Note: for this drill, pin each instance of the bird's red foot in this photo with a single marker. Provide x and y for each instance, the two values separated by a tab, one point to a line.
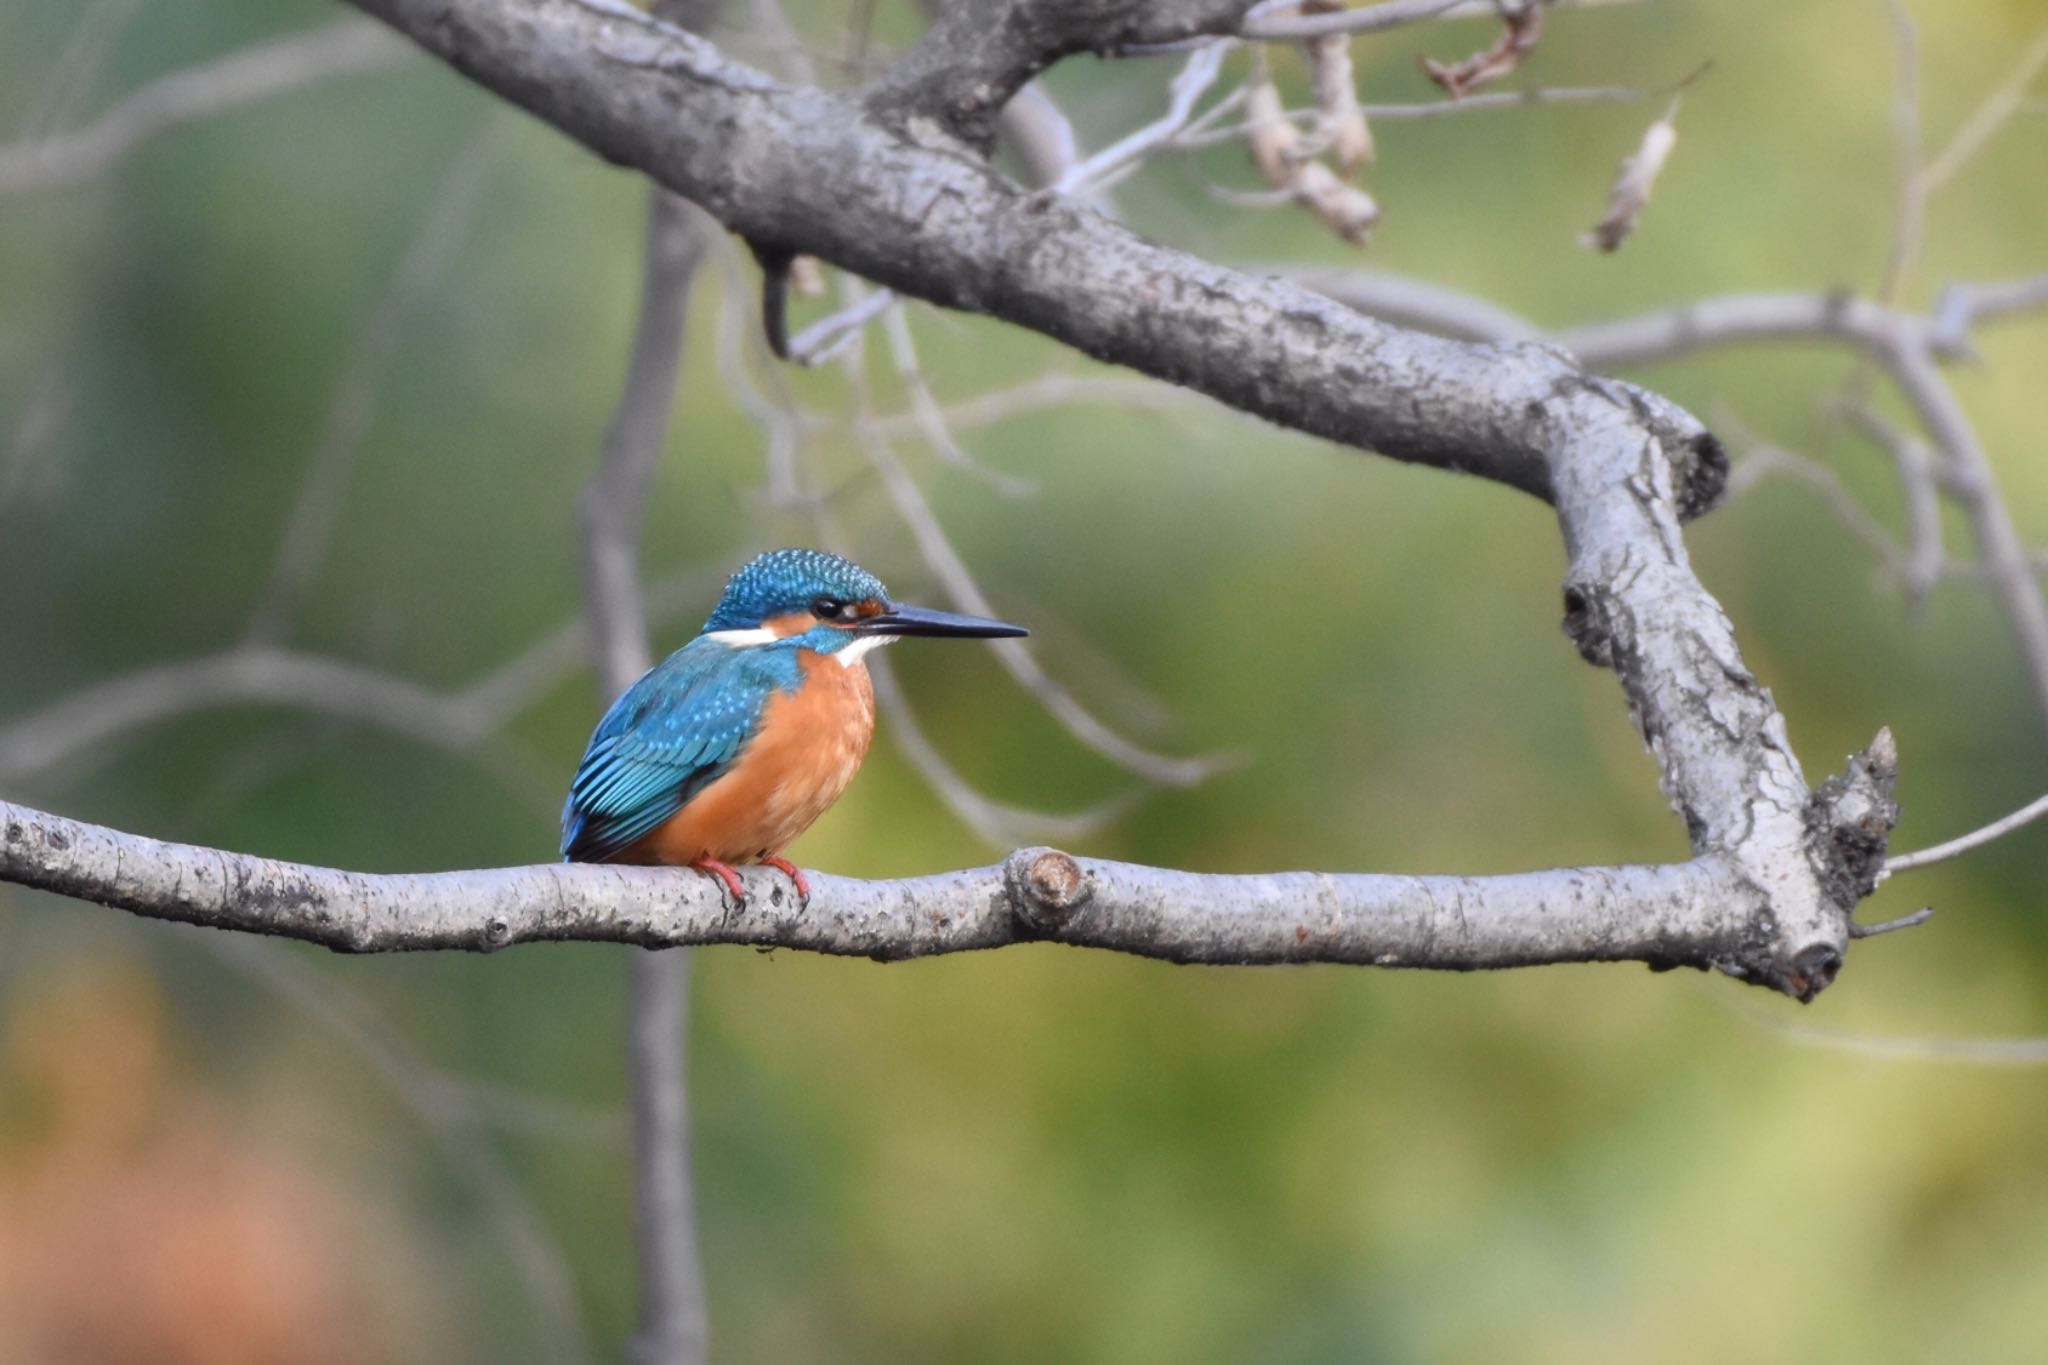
796	874
725	873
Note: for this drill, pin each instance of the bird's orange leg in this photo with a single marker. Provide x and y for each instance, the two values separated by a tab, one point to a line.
725	873
795	873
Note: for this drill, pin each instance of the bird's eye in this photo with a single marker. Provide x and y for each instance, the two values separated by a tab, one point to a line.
827	608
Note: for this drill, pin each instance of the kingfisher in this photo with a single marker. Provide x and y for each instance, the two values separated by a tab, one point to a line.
728	749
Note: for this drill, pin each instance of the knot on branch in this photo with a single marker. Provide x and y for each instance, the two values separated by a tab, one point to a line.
1699	473
1849	820
1586	625
1047	888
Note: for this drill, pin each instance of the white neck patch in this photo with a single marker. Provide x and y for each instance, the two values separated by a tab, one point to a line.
759	635
851	654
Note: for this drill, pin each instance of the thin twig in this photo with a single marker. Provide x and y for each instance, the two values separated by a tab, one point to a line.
931	418
2005	99
79	62
827	339
998	824
1892	926
1017	658
1195	77
1961	844
1909	219
1960	307
672	1328
1914	465
1267	23
352	406
236	81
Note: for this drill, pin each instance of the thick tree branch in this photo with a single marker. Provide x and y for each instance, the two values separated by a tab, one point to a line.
811	171
978	53
1699	913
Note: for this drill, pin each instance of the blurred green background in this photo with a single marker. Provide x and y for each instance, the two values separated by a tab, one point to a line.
1039	1154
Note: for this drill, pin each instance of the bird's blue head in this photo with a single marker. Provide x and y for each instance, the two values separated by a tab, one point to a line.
822	602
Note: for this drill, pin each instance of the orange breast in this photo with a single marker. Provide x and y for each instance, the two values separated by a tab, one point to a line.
810	745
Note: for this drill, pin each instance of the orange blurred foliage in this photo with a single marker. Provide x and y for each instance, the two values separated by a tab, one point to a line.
139	1224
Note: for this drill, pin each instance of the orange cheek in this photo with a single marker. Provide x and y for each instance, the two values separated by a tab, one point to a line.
796	623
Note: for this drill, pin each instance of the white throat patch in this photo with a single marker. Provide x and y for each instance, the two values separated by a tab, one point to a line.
851	655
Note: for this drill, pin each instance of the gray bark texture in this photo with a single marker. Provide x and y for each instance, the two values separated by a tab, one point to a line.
889	182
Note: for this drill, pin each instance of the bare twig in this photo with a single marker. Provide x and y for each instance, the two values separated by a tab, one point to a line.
672	1324
1892	926
1270	23
767	402
1914	465
1195	77
39	742
1052	391
1205	134
1762	459
353	404
930	417
996	823
1017	659
236	81
1960	307
2004	100
827	339
1909	219
1976	838
978	812
464	721
1999	1052
79	62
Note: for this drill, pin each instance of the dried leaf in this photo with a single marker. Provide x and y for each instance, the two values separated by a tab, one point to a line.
1519	34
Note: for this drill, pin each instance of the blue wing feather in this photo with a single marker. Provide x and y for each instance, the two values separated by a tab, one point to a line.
673	733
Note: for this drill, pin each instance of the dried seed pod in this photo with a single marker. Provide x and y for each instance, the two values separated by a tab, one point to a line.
1633	181
1274	142
1345	209
1340	123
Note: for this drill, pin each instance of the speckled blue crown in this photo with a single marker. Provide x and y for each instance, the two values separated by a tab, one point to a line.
783	582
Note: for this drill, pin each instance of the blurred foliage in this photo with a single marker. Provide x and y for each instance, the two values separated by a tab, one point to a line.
1037	1154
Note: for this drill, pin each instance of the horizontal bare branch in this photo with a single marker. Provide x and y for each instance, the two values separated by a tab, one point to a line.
248	673
1691	914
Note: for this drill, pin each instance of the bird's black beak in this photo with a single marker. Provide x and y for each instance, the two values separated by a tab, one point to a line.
923	621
